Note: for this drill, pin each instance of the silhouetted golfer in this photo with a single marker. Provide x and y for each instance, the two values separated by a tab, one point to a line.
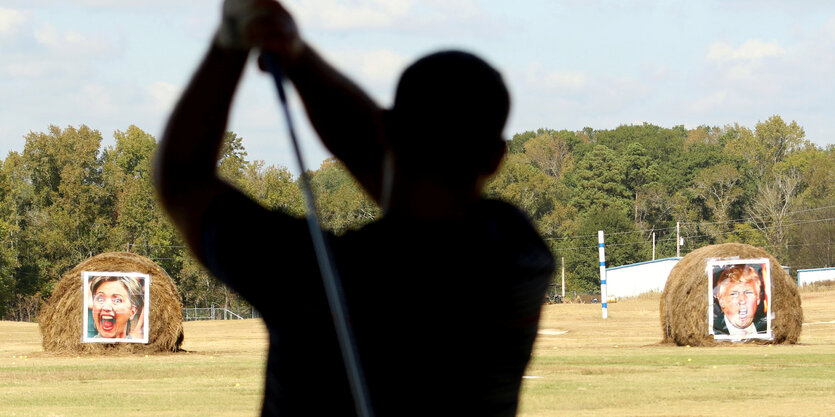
443	291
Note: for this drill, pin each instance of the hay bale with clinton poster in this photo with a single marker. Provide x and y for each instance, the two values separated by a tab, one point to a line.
116	302
115	307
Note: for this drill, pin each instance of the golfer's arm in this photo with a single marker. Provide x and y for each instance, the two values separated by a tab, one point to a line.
349	122
184	171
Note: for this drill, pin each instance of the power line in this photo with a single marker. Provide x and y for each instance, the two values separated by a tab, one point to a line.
155	246
758	229
702	224
754	219
672	240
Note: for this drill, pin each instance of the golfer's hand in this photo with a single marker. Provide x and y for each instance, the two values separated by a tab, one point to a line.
261	24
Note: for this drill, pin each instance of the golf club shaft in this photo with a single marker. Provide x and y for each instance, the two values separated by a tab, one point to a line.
330	278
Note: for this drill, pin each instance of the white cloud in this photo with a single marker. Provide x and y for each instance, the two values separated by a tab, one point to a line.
10	21
73	43
381	65
747	62
96	100
710	102
566	80
112	4
750	50
39	68
466	17
375	70
573	98
464	14
357	14
539	78
163	95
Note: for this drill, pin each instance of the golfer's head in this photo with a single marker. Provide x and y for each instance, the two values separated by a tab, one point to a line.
449	111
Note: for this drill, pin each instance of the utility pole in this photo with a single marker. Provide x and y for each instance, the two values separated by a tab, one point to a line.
563	278
653	246
678	240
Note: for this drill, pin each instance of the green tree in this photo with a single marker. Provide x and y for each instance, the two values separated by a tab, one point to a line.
719	187
273	187
767	145
550	153
624	245
198	288
69	219
817	170
18	284
598	181
140	226
703	135
745	233
812	236
340	201
690	218
640	171
772	209
779	139
537	194
812	239
697	156
653	207
743	144
9	232
232	162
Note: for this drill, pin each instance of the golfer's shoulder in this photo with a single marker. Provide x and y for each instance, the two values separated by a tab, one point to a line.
507	221
514	236
501	211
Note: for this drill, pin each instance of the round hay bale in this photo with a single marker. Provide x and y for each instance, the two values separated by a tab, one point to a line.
684	301
61	317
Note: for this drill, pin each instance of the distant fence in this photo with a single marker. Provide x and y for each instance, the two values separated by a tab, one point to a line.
553	295
213	313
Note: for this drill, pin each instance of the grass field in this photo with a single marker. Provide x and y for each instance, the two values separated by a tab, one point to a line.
582	365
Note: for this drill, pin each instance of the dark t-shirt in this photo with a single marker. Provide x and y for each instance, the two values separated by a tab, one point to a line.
444	312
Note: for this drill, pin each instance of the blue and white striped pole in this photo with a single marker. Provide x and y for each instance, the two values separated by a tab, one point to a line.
602	249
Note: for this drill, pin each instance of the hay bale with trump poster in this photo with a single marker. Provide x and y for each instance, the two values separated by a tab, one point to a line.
730	292
739	294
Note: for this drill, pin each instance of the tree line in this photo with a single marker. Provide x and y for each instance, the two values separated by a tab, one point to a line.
65	198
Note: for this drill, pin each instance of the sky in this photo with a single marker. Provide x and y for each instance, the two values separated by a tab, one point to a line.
569	64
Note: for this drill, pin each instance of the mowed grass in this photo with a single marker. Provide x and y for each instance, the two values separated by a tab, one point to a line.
582	365
616	367
221	374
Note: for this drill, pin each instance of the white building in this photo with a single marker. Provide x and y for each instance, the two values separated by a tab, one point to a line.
808	276
631	280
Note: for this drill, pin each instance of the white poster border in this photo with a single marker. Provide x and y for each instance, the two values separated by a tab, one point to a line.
765	275
87	305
